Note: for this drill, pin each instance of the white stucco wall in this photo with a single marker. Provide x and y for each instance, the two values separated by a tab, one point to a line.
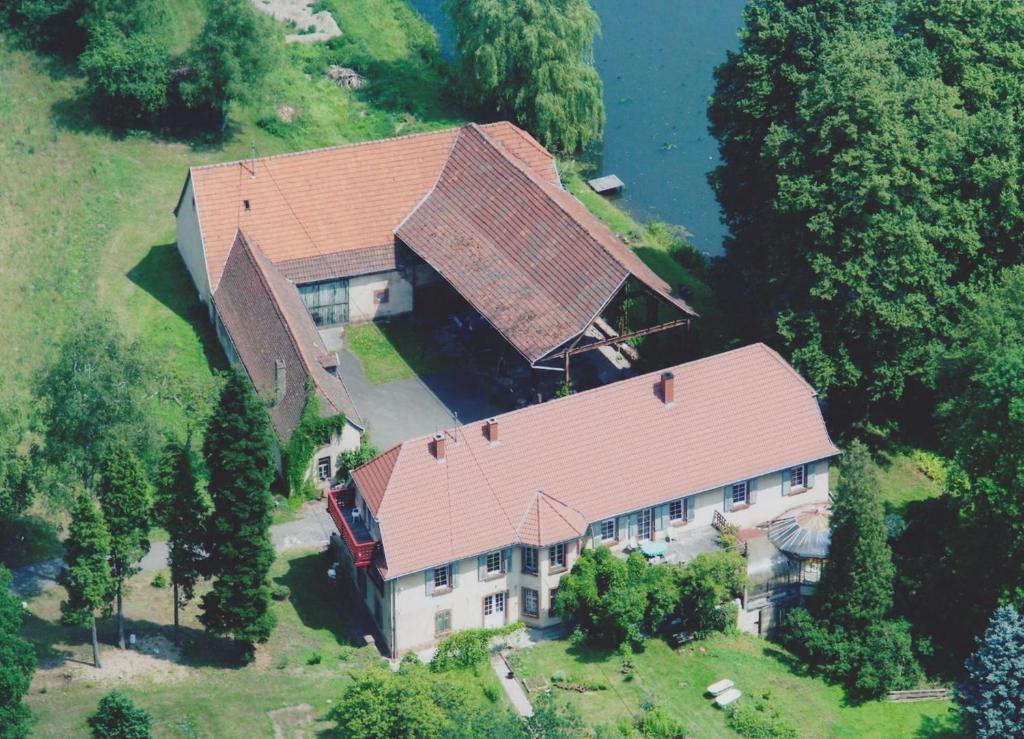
190	243
361	305
347	440
414	607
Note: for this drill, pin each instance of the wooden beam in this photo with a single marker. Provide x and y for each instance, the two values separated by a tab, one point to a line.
621	338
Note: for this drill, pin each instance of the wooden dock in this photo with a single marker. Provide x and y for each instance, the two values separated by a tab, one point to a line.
606	185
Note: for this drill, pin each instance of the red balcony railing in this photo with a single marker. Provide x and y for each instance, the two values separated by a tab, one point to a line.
353	531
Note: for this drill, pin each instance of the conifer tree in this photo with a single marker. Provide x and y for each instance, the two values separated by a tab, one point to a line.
126	500
856	588
992	695
239	457
182	508
17	663
87	576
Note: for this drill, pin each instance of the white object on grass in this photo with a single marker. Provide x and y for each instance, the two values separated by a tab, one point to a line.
716	689
727	697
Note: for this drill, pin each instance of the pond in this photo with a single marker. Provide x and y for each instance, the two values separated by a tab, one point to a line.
656	58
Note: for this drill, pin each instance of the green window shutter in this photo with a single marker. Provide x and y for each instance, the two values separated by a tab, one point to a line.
454	574
661	519
809	476
727	499
429	581
752	491
481	566
786	485
506	560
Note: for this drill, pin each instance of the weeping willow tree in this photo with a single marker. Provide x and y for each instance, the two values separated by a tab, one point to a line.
532	61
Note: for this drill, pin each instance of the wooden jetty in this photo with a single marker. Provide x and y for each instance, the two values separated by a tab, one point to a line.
606	185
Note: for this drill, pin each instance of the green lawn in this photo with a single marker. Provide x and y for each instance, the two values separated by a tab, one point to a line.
677	681
204	693
396	350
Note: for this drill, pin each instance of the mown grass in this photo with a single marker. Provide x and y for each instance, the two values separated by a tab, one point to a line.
207	693
677	681
395	350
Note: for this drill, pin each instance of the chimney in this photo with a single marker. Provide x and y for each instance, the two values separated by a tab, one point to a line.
439	448
668	389
492	431
280	380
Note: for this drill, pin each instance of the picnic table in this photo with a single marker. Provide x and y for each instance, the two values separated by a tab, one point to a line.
654	549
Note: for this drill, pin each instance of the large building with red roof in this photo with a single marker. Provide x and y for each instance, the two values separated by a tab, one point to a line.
475	526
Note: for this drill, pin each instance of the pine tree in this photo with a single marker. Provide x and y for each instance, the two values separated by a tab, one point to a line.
87	576
117	717
17	663
992	695
239	455
856	588
126	500
182	508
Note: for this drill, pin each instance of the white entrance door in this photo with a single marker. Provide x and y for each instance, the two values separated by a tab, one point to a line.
494	610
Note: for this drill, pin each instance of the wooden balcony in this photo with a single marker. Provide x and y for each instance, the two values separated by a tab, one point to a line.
353	530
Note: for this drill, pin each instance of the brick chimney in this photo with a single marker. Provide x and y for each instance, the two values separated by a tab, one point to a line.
668	389
439	448
492	431
280	380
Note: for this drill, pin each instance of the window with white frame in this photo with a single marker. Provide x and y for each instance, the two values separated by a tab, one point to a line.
530	560
676	511
323	468
645	524
492	564
442	577
798	476
556	556
552	599
739	493
531	602
608	530
442	622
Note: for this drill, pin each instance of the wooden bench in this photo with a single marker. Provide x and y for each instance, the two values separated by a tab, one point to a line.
729	696
716	689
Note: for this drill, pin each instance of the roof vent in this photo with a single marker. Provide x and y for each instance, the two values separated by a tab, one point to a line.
439	448
668	389
492	431
247	205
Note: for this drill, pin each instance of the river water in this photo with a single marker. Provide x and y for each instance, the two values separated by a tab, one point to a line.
656	58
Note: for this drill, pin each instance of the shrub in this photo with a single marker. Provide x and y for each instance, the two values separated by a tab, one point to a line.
657	723
492	692
128	73
757	719
346	653
159	580
117	717
468	648
350	459
280	592
932	466
314	659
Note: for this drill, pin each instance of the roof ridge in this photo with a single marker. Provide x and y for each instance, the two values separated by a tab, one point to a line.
559	513
529	507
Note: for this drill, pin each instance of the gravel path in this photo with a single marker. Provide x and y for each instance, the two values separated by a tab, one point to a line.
301	13
311	529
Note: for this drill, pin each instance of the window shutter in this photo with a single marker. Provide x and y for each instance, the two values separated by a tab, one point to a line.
453	573
786	483
727	499
809	475
662	516
595	534
429	581
689	505
506	560
481	566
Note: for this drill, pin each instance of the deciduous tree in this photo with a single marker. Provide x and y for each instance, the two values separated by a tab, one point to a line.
239	457
532	61
127	74
126	501
86	576
117	717
182	508
17	663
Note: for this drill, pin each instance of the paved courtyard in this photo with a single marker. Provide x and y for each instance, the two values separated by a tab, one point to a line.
405	409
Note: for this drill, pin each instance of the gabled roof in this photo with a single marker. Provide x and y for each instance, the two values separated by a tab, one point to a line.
322	202
523	252
267	322
600	453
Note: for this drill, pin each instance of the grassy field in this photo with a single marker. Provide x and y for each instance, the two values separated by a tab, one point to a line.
202	691
677	681
395	350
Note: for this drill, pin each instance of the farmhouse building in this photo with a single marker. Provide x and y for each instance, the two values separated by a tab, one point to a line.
475	526
280	247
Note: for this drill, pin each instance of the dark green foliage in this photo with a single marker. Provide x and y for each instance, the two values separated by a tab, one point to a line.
991	697
549	721
856	585
127	74
312	432
91	396
235	50
657	723
17	663
349	460
758	719
870	181
615	602
532	61
17	486
182	507
239	457
468	647
117	717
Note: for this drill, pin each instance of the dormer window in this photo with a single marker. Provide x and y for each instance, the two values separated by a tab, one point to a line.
247	205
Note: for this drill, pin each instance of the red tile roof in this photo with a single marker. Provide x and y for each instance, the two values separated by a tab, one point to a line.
599	453
318	203
537	270
267	322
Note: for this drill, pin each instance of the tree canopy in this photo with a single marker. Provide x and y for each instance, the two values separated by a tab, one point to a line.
117	717
532	61
17	663
991	696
